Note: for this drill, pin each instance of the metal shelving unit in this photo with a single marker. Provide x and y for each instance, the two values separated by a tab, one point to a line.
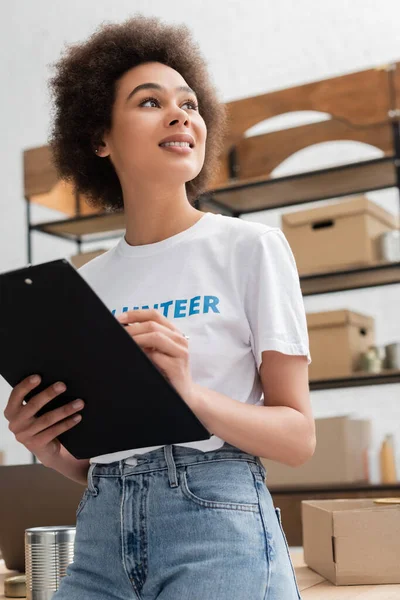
266	193
357	379
238	196
225	200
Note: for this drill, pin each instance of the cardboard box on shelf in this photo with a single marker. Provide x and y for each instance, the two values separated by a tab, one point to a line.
338	236
339	457
352	542
63	199
78	260
42	184
337	339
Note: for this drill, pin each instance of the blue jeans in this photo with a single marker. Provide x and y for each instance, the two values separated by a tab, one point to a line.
181	524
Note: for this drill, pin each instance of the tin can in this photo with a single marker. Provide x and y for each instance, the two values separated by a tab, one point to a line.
371	361
15	586
48	552
392	360
390	245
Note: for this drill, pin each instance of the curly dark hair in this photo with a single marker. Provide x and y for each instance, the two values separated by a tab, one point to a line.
83	94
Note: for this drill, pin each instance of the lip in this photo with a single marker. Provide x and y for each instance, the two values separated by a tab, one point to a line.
179	137
184	150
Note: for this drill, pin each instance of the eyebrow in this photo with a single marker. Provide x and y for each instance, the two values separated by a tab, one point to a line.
156	86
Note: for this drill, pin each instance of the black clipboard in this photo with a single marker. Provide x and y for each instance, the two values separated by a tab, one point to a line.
53	323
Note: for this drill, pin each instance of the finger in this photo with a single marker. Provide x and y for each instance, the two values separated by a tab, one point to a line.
41	399
42	439
54	416
159	341
26	414
18	394
149	314
152	327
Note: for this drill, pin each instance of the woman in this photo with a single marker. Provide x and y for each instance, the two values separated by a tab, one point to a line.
214	302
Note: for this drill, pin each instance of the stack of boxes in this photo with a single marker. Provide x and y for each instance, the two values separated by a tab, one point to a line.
332	238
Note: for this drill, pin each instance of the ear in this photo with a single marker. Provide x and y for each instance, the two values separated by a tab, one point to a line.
99	146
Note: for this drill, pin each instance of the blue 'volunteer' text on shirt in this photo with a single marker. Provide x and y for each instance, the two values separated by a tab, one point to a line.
178	309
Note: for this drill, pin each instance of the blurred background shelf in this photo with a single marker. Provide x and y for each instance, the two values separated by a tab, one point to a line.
86	228
358	486
265	193
357	379
384	273
246	196
289	500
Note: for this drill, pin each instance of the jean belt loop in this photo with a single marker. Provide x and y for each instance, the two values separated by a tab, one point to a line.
91	487
169	458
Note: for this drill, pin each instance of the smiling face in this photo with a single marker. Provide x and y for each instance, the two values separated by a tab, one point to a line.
153	107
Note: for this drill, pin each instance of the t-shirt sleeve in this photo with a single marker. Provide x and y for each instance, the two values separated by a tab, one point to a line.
273	299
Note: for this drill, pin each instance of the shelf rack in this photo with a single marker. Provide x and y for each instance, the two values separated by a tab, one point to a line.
364	107
357	379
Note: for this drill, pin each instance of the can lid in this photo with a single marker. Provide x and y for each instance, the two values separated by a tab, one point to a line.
15	586
50	534
50	528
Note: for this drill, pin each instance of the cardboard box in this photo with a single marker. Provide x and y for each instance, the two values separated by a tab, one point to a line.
62	198
42	184
337	339
339	457
337	236
78	260
352	542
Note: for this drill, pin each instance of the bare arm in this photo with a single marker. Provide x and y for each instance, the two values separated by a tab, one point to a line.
71	467
282	430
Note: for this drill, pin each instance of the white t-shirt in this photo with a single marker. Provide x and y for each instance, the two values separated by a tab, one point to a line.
231	285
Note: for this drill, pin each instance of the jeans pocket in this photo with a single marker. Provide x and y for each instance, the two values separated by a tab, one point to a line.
226	484
278	514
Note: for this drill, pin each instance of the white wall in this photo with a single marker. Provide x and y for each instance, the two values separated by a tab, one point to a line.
252	48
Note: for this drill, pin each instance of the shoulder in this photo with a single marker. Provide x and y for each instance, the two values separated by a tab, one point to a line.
96	267
248	240
241	232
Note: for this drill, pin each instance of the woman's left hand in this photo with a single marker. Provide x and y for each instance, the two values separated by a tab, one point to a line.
164	344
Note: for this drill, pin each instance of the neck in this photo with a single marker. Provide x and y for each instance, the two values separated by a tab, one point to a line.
151	217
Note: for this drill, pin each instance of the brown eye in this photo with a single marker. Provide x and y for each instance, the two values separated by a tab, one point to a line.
147	100
192	103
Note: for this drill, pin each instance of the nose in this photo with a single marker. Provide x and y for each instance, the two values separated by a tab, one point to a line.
180	116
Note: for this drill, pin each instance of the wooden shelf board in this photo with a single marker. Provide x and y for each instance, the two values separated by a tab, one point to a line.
253	195
383	273
358	486
357	379
240	197
84	226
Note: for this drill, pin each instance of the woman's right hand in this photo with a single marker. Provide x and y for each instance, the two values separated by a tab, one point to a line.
38	434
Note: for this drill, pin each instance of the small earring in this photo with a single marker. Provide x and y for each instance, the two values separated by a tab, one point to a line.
96	150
